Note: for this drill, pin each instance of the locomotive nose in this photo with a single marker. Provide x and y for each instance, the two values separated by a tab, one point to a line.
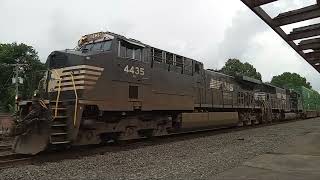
58	59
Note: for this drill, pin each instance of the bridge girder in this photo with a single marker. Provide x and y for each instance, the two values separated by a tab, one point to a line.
311	44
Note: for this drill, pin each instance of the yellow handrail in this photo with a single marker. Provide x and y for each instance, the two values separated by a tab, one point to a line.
76	103
58	95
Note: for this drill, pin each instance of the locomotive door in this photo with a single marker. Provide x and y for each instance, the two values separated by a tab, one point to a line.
199	94
227	94
200	89
216	91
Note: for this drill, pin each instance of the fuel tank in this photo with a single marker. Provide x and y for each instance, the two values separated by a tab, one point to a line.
209	119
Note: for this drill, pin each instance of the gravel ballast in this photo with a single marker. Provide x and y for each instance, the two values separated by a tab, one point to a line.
200	157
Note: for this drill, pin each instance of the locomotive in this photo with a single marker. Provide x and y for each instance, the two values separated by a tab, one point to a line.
115	88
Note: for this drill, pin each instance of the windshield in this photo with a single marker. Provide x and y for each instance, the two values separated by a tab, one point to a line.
99	46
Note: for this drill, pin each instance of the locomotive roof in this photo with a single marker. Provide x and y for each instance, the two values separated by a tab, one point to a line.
250	79
130	40
100	36
133	41
211	71
271	85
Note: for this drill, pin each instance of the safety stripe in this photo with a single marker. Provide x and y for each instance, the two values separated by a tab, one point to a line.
82	67
79	72
77	87
82	82
84	76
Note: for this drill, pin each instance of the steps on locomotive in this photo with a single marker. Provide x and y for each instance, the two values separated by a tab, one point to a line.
59	127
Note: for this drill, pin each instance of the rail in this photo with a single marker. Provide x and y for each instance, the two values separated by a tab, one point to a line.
14	160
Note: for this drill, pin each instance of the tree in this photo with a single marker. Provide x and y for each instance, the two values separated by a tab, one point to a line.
235	67
290	80
11	54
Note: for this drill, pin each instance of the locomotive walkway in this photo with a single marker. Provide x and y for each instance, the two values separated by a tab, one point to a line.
296	161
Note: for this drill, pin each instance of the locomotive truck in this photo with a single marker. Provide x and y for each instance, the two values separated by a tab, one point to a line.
112	88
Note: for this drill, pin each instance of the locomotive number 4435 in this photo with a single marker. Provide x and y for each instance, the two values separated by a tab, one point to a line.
134	70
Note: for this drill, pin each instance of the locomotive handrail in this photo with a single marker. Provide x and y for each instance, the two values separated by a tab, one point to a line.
58	95
76	103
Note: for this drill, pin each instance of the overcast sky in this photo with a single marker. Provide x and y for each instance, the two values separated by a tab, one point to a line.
207	30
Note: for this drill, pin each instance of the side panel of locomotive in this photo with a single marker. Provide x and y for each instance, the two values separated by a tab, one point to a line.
148	84
142	83
172	86
221	91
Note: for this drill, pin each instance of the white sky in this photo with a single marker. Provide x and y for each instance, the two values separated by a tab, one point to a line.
208	30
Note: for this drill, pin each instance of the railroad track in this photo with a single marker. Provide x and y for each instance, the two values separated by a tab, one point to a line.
5	148
14	160
92	150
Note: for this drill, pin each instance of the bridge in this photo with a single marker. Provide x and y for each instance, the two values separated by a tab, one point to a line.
304	40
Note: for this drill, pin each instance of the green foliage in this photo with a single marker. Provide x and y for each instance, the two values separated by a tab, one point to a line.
23	54
290	80
235	67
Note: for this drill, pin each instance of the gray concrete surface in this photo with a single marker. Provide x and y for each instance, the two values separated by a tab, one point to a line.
299	160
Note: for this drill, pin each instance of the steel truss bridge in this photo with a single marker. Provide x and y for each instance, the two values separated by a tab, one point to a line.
309	46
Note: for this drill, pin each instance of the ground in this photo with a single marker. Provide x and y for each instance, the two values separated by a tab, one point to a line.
193	157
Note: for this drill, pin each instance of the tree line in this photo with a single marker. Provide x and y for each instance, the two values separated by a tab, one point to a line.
33	70
234	67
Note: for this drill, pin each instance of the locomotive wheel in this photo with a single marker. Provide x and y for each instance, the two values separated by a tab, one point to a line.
148	133
61	147
247	123
255	122
240	124
109	138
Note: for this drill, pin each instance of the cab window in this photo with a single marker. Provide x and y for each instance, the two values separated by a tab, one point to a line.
96	47
88	47
138	54
127	50
99	46
106	46
129	53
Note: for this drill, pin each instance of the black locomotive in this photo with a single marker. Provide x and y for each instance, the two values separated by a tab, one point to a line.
114	88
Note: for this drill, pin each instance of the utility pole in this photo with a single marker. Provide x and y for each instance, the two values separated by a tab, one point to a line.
17	68
16	79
